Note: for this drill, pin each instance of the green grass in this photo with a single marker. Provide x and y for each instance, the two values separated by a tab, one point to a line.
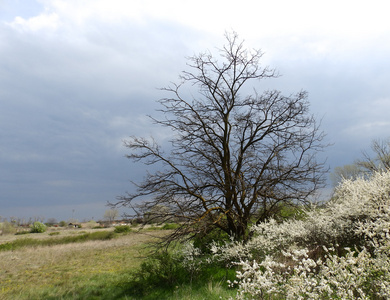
30	242
211	290
54	233
122	229
170	226
163	276
62	267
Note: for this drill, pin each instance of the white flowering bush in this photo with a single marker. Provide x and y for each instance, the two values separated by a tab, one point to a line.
38	227
191	258
355	275
339	251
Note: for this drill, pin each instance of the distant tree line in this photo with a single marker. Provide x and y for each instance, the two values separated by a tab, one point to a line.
370	163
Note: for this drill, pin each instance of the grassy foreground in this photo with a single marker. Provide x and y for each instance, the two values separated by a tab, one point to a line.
89	269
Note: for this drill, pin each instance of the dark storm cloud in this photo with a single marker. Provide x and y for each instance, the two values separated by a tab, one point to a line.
78	77
347	90
66	106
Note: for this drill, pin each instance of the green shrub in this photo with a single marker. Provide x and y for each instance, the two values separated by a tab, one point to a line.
206	240
158	271
38	227
164	272
152	228
170	226
62	224
98	227
122	229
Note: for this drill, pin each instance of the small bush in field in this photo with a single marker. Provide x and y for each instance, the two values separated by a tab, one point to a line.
98	227
205	242
164	271
38	227
170	226
122	229
91	224
7	228
54	233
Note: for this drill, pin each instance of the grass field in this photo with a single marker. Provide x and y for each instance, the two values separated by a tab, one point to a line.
87	270
98	269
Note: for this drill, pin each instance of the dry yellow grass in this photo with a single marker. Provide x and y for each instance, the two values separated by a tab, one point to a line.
66	266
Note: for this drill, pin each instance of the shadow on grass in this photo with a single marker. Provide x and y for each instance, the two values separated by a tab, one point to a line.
163	276
128	286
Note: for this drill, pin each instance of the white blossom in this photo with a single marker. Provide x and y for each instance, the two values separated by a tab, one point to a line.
300	259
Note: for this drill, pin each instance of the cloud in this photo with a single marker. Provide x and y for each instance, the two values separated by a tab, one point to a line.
369	129
44	21
80	76
65	101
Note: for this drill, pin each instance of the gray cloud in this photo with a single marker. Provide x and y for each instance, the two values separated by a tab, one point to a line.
79	79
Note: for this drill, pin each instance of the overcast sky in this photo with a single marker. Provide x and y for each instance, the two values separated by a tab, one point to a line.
78	77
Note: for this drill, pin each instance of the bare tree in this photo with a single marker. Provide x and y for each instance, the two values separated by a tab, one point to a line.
345	172
369	164
51	221
235	156
381	159
157	214
111	214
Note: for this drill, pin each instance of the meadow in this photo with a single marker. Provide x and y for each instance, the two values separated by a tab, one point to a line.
80	270
98	266
339	250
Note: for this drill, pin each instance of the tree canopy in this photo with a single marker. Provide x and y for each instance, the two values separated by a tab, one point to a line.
236	154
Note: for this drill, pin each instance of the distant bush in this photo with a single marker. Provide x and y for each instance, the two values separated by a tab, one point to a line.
98	227
137	221
62	224
7	228
51	222
122	229
170	226
38	227
91	224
